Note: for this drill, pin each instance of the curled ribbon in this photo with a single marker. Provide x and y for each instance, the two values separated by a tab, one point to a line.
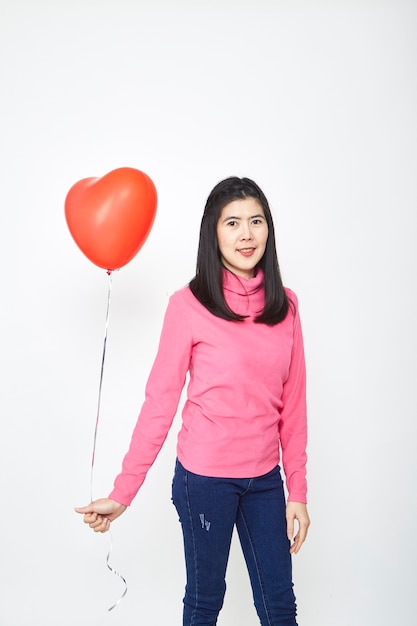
113	571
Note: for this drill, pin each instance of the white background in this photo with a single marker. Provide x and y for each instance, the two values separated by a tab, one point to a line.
317	102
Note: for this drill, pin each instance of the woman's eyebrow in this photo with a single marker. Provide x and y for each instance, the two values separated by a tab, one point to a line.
235	217
231	217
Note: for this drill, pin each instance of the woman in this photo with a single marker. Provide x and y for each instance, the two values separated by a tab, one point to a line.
236	330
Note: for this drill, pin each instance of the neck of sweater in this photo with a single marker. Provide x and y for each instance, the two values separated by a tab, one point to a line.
245	296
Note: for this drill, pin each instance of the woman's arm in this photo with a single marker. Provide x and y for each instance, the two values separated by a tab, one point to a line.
293	418
162	395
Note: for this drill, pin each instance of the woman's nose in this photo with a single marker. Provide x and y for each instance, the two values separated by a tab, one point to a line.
246	232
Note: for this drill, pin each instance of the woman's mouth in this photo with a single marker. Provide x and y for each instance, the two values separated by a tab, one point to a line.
246	251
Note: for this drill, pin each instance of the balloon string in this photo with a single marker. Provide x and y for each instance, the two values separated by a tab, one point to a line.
106	326
113	571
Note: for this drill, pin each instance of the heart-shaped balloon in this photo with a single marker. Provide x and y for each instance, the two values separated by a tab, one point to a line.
111	217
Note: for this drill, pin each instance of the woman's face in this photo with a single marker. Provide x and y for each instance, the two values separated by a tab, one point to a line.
242	233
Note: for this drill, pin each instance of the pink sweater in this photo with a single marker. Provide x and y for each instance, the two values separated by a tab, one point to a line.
245	397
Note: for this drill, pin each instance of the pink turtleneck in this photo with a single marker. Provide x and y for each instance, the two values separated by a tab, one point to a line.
245	410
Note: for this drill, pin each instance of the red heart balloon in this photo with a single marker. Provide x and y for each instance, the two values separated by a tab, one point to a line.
111	217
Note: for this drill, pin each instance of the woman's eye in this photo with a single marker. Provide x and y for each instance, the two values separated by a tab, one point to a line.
231	223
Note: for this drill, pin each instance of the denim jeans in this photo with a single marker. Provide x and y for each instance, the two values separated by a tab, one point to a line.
208	509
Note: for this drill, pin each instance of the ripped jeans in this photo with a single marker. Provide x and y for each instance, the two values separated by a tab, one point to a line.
208	509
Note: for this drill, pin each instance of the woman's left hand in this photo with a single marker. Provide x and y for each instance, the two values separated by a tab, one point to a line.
297	511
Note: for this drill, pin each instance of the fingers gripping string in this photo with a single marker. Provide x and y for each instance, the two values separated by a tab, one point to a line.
113	571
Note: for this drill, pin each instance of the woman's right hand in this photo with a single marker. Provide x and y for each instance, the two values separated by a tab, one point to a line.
100	513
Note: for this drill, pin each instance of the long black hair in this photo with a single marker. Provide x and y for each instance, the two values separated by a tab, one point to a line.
207	284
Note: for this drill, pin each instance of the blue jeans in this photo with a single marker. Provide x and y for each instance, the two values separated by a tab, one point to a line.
208	509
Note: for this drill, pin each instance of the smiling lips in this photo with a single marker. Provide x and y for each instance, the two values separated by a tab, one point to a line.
246	251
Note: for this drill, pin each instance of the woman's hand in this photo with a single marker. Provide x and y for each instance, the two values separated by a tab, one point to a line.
100	513
297	511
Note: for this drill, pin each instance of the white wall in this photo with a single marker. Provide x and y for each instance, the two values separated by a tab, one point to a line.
317	102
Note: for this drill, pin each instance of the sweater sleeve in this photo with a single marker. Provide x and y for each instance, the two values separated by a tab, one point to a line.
293	420
162	395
